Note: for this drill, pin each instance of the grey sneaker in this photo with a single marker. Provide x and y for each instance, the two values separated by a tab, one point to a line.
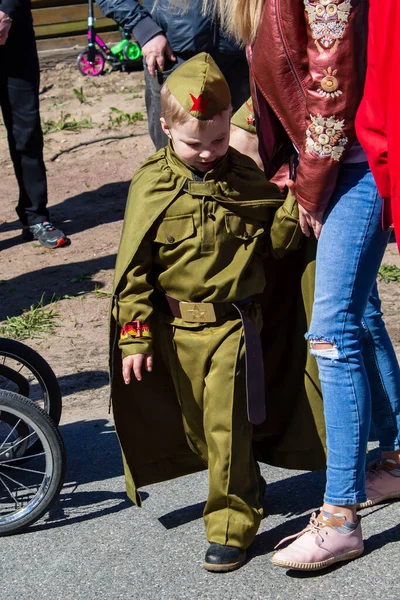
48	235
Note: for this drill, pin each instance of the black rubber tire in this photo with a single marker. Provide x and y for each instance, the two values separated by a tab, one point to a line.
23	408
40	369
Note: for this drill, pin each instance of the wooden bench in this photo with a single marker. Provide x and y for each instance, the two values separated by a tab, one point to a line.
62	24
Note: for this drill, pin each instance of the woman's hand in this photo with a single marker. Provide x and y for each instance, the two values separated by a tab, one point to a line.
5	24
311	221
155	51
308	220
134	362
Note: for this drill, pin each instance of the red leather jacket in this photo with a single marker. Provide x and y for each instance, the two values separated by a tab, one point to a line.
308	65
378	123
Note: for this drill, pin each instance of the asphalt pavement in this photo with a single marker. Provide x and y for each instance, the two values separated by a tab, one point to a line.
95	545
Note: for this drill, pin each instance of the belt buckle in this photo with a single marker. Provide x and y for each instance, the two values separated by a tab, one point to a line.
197	312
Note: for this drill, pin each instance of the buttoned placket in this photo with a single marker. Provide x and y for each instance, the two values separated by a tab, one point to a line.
203	192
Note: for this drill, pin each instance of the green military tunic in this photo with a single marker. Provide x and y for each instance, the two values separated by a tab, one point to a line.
206	246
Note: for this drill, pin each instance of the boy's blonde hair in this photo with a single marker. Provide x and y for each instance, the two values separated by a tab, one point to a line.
174	114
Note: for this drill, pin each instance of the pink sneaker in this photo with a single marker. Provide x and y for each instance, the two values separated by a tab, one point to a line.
382	482
320	544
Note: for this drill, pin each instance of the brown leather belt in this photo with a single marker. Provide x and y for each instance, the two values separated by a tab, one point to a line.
210	312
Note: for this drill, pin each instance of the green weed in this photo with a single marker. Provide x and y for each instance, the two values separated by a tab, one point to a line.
33	323
134	97
84	277
118	117
101	293
388	273
66	123
79	95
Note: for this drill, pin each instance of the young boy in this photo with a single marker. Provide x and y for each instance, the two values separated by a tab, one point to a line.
199	220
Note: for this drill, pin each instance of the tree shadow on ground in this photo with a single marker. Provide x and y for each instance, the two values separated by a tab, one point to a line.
78	213
287	497
84	211
50	283
93	456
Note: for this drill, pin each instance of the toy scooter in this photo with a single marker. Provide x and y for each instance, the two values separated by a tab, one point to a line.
122	55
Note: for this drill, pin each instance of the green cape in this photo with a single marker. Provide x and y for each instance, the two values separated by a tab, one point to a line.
147	415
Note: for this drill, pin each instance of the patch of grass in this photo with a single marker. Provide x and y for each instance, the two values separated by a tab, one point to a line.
388	273
34	323
118	117
66	123
101	293
83	277
73	296
79	95
134	97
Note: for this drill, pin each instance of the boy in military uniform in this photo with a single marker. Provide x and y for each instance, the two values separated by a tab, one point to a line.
199	220
244	134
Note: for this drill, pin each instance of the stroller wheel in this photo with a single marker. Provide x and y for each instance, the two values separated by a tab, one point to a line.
29	482
92	69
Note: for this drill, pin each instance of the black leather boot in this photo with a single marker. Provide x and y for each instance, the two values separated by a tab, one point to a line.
221	558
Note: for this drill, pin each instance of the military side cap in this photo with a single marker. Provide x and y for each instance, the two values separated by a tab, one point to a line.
244	117
199	87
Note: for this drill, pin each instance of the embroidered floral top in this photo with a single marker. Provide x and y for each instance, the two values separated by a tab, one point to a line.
308	64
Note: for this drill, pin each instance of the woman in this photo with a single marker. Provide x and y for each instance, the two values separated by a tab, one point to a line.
308	63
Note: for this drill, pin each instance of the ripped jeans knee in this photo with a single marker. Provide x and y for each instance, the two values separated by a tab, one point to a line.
322	347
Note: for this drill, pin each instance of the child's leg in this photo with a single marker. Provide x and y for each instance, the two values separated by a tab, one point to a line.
233	511
207	366
185	352
209	375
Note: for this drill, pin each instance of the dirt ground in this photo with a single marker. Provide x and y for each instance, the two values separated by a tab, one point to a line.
87	194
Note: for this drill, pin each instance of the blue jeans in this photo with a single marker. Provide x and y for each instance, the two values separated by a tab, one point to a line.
360	373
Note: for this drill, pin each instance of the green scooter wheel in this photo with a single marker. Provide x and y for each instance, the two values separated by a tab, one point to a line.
132	51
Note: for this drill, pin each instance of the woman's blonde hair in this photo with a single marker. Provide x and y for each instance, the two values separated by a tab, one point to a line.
239	18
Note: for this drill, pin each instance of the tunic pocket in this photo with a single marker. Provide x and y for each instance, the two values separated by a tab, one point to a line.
244	229
175	229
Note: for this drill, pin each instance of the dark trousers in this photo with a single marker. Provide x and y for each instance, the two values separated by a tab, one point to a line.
19	101
233	66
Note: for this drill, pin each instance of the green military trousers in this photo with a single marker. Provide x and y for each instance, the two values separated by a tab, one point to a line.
207	365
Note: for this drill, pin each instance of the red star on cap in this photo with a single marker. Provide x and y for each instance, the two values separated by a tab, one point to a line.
200	104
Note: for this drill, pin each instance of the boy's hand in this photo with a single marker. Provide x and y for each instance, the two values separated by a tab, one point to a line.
134	362
291	187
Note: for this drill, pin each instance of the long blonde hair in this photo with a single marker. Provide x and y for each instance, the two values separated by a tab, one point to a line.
240	18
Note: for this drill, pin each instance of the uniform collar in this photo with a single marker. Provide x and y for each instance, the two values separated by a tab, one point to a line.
181	168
